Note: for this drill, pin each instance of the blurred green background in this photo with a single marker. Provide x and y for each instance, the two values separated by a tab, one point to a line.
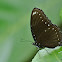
15	33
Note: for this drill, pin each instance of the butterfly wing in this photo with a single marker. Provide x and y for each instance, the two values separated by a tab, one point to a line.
44	32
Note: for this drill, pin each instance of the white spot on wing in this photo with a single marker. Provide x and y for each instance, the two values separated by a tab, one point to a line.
42	20
45	22
39	43
55	30
35	38
48	28
45	30
33	35
40	17
57	35
52	28
39	14
59	43
34	13
36	43
48	25
58	38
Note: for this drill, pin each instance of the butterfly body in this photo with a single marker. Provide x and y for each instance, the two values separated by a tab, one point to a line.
43	31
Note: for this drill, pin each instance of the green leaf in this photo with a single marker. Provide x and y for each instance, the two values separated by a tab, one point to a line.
49	55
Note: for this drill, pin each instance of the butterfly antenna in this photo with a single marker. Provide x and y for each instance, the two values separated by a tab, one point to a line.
22	40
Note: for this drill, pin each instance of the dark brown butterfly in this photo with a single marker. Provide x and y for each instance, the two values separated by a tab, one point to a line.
43	31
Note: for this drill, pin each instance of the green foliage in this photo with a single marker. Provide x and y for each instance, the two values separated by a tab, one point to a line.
49	55
15	33
61	14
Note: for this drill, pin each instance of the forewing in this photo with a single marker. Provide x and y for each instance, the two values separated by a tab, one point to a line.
44	32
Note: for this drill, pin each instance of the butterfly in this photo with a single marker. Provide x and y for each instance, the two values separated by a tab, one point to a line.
45	34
